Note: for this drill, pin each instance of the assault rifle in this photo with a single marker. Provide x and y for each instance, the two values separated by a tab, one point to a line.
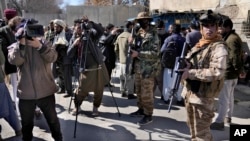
179	64
129	60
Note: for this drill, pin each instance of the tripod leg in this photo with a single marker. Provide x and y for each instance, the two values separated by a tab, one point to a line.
77	110
71	98
114	100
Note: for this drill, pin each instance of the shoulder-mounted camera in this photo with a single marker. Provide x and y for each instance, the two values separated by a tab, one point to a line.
31	29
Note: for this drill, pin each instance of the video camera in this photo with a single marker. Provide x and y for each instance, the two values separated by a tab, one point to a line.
31	29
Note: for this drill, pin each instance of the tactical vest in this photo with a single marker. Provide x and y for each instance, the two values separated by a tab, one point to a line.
200	61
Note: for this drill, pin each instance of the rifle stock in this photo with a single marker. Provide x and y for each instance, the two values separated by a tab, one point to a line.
179	64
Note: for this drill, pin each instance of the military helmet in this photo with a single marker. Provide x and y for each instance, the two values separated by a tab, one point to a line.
143	15
209	17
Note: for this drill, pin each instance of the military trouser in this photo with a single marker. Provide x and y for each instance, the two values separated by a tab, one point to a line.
199	118
82	94
145	94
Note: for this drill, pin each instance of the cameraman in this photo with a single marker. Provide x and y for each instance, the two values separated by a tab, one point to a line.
93	73
36	86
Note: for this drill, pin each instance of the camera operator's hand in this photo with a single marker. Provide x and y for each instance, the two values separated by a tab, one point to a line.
35	43
114	31
77	41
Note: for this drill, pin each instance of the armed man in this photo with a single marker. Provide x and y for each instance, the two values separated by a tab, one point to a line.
204	77
146	55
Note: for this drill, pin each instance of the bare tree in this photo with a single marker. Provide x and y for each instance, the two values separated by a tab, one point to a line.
37	6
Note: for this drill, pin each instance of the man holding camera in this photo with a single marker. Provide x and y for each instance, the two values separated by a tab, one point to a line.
204	77
36	86
93	74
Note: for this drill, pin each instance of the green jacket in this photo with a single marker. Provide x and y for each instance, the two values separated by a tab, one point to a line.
235	62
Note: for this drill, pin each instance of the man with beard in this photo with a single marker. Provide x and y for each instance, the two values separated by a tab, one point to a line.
62	67
146	54
203	77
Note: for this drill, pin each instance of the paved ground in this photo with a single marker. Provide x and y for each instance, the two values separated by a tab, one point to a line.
110	127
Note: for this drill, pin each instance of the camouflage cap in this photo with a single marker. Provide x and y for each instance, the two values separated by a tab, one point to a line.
143	15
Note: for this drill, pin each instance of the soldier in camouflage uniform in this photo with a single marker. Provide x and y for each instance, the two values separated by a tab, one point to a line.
204	77
147	66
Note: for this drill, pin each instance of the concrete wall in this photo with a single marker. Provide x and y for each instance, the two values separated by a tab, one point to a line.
103	14
116	15
182	5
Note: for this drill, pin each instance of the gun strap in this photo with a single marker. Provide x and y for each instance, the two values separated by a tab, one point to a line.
198	51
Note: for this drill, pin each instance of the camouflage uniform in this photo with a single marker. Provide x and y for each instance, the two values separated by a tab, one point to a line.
204	77
147	66
204	84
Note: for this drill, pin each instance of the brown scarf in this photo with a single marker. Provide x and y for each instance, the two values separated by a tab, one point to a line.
204	41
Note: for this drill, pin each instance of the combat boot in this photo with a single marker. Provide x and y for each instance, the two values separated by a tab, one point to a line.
138	113
146	120
217	126
95	111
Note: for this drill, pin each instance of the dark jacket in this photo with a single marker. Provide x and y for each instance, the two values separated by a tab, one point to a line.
174	37
7	38
235	62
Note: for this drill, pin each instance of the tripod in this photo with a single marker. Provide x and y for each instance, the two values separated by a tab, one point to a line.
93	50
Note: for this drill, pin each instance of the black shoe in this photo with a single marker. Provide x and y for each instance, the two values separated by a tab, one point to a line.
217	126
60	91
18	133
166	101
180	103
228	120
124	94
138	113
162	98
131	96
109	85
68	95
145	120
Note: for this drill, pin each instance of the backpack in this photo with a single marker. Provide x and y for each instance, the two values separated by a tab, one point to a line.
169	55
